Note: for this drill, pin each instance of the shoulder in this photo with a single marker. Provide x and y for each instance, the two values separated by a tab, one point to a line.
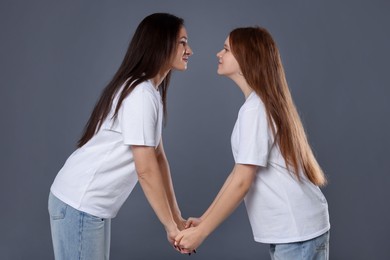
253	105
144	87
143	91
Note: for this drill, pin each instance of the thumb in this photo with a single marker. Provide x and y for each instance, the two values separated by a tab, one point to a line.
189	222
178	238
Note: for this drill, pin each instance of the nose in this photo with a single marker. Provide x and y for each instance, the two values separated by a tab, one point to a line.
189	50
219	54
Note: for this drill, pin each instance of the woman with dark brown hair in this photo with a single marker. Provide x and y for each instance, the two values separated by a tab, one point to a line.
122	144
275	170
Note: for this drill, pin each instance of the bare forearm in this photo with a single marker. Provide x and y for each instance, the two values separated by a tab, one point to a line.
152	183
167	180
153	187
207	212
229	198
168	184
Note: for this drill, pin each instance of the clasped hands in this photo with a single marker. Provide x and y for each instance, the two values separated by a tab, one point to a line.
190	236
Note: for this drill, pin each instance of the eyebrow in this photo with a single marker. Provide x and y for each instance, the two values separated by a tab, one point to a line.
183	38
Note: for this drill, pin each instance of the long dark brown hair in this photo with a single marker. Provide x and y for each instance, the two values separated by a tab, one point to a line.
259	60
150	51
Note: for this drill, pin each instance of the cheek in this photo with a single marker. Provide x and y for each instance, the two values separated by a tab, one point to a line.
179	55
234	64
230	66
180	51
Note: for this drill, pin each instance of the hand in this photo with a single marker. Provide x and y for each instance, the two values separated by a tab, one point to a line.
181	223
171	235
190	239
192	222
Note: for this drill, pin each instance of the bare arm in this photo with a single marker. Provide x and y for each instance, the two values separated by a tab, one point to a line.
168	184
221	191
152	182
230	196
192	221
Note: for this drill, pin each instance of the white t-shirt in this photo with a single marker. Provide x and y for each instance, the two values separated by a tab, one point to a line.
281	209
98	177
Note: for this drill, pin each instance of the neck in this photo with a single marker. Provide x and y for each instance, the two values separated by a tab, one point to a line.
159	78
242	84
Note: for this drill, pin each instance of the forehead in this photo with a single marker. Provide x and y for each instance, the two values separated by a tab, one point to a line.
182	32
227	41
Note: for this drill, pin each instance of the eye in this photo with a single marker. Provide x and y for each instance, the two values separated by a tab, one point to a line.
184	43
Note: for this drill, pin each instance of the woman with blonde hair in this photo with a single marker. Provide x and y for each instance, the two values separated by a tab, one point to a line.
275	170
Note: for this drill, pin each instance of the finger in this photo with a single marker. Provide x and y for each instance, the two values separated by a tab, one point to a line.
177	248
188	224
178	239
185	251
180	249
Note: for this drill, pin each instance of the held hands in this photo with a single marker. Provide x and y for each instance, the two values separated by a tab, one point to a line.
189	239
174	230
181	223
171	235
192	222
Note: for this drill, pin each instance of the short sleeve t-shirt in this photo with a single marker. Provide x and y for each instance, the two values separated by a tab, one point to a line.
98	177
281	209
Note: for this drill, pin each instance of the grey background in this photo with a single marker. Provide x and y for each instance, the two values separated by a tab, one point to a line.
56	56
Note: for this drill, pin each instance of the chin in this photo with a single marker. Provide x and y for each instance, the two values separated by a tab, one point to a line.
181	68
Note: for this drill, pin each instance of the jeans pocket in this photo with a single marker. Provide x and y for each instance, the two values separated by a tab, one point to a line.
57	208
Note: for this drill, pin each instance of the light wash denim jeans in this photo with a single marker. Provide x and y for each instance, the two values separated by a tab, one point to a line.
77	235
313	249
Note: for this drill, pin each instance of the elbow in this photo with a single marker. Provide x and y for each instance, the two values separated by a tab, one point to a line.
143	173
243	185
244	176
243	180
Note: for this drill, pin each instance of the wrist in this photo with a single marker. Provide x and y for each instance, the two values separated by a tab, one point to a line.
178	218
204	229
176	214
171	227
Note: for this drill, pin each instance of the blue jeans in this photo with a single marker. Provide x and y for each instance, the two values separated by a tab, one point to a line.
313	249
76	234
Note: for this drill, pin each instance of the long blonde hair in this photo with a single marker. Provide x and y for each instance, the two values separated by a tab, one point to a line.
259	59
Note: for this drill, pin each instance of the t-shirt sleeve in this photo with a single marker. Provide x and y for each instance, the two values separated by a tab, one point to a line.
254	144
138	118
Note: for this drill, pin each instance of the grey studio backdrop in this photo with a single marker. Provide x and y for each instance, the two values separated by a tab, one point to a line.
56	57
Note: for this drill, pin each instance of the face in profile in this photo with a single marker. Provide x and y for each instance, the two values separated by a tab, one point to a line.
227	63
183	51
